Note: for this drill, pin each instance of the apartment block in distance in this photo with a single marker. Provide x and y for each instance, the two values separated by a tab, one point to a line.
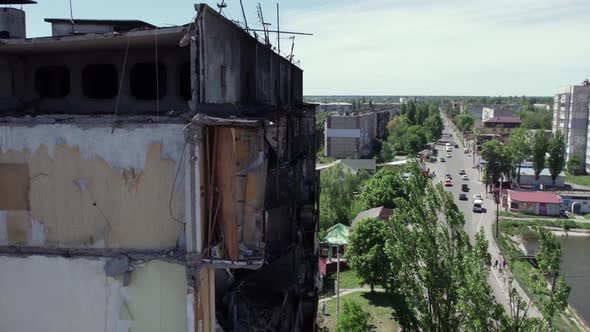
570	115
352	136
154	179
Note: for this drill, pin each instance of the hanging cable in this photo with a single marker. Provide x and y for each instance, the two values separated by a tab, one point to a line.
120	86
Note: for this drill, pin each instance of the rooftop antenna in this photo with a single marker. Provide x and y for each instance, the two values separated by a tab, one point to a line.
278	32
221	5
292	46
264	25
244	14
72	18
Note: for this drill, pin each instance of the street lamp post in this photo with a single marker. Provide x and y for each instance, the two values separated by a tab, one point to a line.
498	206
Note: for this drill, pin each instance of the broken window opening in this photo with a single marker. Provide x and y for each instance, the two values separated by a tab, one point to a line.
52	81
100	81
143	82
235	177
184	81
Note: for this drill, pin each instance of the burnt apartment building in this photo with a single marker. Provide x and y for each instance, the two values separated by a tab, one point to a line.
154	179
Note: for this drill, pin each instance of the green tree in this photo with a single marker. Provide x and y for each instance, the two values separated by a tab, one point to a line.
465	122
519	148
573	164
337	196
365	252
354	319
413	139
539	149
549	256
434	126
428	245
382	189
556	150
498	160
320	121
411	112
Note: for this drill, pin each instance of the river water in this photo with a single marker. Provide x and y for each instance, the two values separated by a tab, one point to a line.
575	268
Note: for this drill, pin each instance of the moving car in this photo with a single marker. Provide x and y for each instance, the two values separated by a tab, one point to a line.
448	182
464	177
461	171
457	146
477	197
465	187
442	159
449	155
478	205
448	176
462	197
466	151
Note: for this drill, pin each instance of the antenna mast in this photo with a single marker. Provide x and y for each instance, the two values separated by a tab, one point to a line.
264	25
221	5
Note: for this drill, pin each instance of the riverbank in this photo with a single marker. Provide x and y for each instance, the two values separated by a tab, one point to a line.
513	242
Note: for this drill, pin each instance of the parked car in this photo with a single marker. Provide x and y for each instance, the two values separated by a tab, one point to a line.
462	197
466	151
442	159
461	171
477	197
464	177
448	176
449	155
465	187
448	182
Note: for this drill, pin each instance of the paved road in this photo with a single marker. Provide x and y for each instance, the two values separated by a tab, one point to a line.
473	221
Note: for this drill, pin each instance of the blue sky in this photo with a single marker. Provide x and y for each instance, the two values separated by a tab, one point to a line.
398	47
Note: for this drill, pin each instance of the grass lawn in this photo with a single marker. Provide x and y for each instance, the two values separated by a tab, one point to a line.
521	270
377	304
583	180
587	216
348	279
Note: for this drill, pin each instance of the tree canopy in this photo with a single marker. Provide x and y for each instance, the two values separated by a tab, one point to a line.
556	159
366	251
382	189
354	319
519	147
337	200
539	149
498	159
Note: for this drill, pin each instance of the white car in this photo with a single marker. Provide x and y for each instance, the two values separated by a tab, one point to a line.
449	155
464	177
477	197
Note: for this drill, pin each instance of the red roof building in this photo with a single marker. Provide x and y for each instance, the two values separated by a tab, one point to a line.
534	202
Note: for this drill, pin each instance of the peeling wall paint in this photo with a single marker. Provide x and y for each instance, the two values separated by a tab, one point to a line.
54	294
125	148
77	196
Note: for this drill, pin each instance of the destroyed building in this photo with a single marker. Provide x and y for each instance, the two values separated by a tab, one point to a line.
154	179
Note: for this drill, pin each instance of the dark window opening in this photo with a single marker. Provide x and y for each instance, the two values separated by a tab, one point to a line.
144	85
4	34
52	81
100	81
184	76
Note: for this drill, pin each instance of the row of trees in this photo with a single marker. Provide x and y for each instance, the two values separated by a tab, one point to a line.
505	160
422	257
409	132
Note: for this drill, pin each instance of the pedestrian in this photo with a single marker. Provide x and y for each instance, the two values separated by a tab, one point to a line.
504	263
323	308
496	263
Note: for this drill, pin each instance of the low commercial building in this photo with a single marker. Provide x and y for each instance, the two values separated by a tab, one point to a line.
497	127
528	178
495	111
577	202
534	202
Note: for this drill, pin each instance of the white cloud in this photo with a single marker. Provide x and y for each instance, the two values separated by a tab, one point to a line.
440	47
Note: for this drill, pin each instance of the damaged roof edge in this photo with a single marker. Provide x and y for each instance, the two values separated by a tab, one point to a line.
202	8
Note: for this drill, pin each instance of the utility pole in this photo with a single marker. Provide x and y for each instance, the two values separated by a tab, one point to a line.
337	284
498	206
